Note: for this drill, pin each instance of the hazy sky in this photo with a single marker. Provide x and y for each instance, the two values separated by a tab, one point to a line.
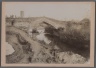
60	11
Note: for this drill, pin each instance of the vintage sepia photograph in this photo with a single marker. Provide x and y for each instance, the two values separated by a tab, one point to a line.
48	34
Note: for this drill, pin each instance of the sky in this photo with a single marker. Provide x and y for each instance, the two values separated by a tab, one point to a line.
60	11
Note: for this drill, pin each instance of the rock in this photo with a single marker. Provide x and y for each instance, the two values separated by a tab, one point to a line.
9	49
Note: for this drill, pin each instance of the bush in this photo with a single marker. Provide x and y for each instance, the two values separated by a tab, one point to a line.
72	40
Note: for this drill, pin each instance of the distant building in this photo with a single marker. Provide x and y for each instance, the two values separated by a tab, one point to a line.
22	14
11	16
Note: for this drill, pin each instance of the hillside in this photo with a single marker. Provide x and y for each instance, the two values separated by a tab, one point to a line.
48	40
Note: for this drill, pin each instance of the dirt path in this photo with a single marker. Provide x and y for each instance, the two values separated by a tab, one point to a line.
35	46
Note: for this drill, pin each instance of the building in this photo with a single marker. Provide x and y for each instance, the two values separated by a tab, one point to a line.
21	14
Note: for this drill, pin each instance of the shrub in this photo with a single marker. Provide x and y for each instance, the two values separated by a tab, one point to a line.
72	40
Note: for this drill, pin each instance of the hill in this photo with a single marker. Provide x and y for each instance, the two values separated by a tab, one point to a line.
68	39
